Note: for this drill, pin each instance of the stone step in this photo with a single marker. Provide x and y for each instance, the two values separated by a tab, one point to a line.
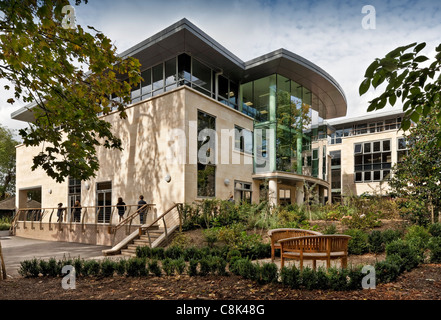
127	253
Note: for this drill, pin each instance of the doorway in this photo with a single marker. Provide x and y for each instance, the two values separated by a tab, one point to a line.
104	201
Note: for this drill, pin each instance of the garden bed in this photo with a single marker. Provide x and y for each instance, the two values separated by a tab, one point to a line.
422	283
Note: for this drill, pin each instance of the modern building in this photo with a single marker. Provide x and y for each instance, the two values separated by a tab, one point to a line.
205	124
363	151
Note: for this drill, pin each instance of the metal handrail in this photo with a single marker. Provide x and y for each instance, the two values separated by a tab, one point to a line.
146	227
130	217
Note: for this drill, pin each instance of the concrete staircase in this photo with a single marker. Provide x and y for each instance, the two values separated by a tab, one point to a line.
143	240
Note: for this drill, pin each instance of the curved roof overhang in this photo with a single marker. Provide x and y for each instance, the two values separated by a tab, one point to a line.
185	37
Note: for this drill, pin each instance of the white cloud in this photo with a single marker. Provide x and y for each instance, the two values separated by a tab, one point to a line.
328	33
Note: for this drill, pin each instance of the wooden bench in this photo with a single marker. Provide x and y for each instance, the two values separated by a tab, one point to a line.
284	233
322	247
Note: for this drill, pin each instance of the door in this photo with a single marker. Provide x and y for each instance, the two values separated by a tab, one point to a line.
104	201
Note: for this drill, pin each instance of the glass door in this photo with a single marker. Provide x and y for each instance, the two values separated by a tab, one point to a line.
104	201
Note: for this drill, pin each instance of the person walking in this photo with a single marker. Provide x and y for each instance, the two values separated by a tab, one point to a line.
141	202
77	211
60	212
121	206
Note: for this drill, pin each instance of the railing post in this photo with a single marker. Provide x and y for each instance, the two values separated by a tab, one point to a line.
3	267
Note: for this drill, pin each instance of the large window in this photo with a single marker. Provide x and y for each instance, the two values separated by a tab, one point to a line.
206	174
402	149
335	170
242	191
372	160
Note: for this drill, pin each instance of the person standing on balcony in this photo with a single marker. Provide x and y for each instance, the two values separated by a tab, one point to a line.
141	202
77	211
60	212
121	206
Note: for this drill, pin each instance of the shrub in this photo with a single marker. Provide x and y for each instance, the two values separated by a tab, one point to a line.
211	236
120	267
192	267
54	269
44	267
386	271
266	273
136	267
78	264
405	251
191	253
355	278
173	252
290	276
330	229
434	246
168	266
179	265
435	229
219	266
358	244
205	266
390	235
108	268
29	268
418	236
157	253
143	252
338	279
308	278
246	269
376	242
154	268
91	267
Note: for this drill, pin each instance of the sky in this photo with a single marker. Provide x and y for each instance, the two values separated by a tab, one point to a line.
335	34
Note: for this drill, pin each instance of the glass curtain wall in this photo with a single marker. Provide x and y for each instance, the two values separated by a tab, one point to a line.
281	109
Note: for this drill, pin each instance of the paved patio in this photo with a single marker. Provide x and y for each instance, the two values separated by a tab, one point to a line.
16	249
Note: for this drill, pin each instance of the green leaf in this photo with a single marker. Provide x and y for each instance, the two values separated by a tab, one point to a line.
392	100
405	124
364	86
415	116
419	47
420	59
370	70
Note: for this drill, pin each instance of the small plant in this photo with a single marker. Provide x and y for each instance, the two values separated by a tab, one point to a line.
29	268
358	244
154	268
120	267
290	277
338	279
173	252
44	268
387	271
91	267
266	273
330	229
78	265
158	253
376	242
136	267
434	246
143	252
418	236
53	268
435	229
308	278
179	265
211	236
191	253
168	266
406	251
108	268
192	268
390	235
205	266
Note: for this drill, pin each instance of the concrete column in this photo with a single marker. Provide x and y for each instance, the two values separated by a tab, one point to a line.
321	191
273	192
300	195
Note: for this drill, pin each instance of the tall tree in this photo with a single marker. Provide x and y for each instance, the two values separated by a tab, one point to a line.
7	163
70	75
411	77
418	176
